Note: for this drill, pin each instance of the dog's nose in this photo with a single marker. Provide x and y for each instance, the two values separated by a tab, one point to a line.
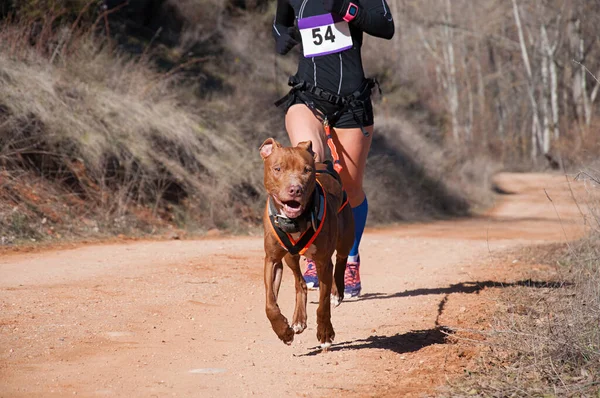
295	190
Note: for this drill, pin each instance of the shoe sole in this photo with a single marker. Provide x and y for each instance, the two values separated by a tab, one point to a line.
354	294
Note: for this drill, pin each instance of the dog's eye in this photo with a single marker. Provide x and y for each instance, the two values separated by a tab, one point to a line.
308	169
277	168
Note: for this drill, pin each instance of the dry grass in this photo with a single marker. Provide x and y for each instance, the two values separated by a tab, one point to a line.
546	342
106	128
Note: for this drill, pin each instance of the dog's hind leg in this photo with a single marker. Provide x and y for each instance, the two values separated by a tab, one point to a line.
343	247
325	333
299	321
279	323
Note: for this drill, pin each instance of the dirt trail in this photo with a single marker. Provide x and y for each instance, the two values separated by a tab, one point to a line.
186	318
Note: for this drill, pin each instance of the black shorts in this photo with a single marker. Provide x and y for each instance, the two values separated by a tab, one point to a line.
353	117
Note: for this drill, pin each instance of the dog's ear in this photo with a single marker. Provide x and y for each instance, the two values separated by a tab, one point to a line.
307	145
267	147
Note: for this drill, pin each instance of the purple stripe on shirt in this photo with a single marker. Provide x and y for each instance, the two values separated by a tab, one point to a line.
318	20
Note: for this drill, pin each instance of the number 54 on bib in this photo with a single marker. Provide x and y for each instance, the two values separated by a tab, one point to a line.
324	34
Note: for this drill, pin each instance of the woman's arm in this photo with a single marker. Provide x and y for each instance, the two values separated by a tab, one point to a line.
283	27
373	16
284	18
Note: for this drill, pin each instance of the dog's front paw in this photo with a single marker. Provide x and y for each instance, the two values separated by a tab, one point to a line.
325	335
287	336
299	327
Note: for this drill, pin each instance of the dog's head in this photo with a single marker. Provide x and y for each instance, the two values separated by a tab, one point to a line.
289	175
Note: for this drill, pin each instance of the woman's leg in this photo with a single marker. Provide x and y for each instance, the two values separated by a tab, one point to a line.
302	125
353	148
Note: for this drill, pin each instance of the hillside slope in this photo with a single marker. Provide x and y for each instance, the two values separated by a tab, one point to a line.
97	139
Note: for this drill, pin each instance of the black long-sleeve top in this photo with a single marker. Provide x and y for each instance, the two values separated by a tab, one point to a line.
341	72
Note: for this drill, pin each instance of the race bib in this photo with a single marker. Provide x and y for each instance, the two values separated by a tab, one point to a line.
324	34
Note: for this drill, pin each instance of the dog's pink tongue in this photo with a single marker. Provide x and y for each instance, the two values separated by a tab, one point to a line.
292	212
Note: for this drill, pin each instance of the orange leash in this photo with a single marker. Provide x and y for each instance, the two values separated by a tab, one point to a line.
337	165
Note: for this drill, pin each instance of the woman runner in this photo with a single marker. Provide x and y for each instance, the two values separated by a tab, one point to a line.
330	88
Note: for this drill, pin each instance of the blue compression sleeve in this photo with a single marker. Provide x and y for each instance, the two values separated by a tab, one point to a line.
360	220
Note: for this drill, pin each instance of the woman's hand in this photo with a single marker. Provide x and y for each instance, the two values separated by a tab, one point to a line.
285	41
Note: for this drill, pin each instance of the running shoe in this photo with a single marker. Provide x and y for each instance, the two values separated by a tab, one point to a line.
352	284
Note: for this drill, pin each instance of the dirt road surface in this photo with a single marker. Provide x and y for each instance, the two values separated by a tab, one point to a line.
186	318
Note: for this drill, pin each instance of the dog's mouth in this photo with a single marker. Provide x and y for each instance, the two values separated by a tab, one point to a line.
291	208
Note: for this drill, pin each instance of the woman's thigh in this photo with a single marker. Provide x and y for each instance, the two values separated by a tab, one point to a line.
302	125
353	148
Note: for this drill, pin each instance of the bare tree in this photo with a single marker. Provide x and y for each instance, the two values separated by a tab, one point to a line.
514	77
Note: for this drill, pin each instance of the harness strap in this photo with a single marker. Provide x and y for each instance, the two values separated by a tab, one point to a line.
330	170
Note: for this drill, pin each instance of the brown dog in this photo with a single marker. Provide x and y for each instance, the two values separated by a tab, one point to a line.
305	214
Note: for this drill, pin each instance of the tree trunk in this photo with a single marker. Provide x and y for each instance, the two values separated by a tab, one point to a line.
587	109
550	89
554	96
594	94
545	144
451	73
497	93
535	129
575	43
480	90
